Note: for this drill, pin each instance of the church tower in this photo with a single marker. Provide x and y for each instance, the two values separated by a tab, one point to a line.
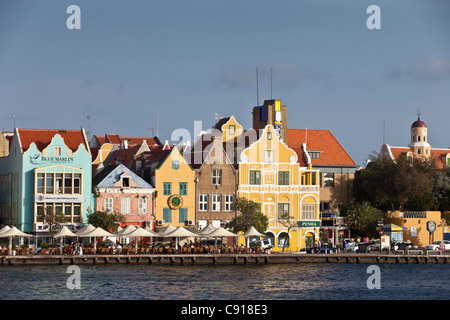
419	139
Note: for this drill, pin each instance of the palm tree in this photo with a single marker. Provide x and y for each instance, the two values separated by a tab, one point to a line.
362	218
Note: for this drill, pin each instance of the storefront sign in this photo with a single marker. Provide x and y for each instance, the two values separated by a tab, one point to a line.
311	224
175	201
64	198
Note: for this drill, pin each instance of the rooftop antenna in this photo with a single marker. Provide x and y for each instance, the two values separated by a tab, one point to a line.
257	88
384	132
89	128
270	83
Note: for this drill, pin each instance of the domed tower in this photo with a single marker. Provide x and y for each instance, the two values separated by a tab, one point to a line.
419	139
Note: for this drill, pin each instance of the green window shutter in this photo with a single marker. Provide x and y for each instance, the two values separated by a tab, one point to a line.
167	215
183	188
167	188
183	215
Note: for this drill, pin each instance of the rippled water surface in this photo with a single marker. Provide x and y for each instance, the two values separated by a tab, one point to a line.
220	282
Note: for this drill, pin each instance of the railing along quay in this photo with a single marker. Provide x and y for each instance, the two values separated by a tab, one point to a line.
231	259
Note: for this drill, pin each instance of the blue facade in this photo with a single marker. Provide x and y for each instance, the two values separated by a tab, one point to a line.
54	176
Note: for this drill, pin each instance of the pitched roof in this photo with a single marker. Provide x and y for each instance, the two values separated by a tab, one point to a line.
43	137
109	176
331	151
439	155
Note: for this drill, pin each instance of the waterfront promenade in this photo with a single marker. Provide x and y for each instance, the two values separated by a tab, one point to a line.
408	257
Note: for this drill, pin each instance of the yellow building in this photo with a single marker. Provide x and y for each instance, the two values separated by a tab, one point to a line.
269	174
415	223
174	180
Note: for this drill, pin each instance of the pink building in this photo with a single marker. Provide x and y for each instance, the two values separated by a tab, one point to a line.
117	189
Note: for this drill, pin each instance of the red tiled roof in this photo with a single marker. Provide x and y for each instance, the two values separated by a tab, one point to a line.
439	155
112	138
332	153
43	137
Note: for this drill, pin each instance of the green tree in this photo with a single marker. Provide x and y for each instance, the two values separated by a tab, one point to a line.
106	220
390	185
362	218
52	217
288	222
249	215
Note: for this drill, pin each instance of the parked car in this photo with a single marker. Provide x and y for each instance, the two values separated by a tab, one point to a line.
401	245
263	244
351	247
369	246
437	245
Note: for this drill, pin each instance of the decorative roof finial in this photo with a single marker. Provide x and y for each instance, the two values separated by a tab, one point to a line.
418	113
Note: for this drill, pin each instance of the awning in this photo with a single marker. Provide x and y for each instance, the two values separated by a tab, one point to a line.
393	227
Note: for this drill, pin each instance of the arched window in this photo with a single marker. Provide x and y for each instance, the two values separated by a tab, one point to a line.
282	237
424	138
418	151
418	138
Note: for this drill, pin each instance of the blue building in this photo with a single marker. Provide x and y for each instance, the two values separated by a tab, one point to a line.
45	168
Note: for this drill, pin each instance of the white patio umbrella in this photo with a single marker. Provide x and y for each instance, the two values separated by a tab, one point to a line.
208	229
170	228
4	229
12	233
252	232
221	232
97	232
82	231
64	232
139	232
179	233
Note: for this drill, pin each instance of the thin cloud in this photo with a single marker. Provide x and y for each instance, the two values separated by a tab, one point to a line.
430	69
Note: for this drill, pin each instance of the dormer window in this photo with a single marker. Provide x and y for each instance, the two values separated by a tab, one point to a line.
314	154
125	182
232	130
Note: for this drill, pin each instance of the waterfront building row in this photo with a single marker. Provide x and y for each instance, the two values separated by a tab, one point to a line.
155	184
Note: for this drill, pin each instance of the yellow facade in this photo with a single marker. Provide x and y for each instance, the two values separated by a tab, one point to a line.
175	185
269	174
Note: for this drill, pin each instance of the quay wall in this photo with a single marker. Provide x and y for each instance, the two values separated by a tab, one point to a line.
230	259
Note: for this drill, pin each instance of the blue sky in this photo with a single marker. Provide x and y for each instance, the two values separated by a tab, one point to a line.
194	58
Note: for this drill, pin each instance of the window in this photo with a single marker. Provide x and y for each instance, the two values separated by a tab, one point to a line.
142	205
309	211
109	204
40	183
232	130
282	238
49	186
328	179
418	151
203	202
167	215
57	151
183	215
216	202
125	182
255	177
125	205
175	164
314	154
283	211
229	198
167	189
58	183
183	188
269	135
77	183
418	138
283	178
217	177
269	156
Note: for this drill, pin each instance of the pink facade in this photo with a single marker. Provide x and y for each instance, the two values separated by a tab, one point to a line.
134	200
